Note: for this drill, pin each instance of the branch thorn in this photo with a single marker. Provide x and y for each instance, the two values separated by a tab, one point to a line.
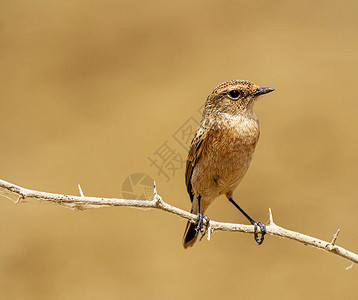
335	237
155	191
157	199
80	189
271	217
18	199
209	232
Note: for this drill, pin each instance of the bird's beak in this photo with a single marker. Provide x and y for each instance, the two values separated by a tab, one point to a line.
261	91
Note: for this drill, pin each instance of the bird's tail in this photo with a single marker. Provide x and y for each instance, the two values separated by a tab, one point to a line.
191	234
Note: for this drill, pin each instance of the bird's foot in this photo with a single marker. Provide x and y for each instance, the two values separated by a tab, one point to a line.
260	240
200	227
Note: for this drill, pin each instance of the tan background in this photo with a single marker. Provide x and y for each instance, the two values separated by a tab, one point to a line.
90	89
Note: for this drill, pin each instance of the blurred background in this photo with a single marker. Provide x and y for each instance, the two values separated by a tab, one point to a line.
107	94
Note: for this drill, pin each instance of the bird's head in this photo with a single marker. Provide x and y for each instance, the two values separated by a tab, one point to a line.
234	97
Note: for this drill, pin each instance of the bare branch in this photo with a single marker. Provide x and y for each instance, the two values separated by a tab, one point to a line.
19	194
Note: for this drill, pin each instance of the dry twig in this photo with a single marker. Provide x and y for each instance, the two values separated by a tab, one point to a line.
83	202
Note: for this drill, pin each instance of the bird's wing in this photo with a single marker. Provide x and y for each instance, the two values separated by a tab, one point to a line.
197	145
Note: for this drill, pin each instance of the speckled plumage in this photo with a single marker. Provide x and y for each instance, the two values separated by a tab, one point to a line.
223	146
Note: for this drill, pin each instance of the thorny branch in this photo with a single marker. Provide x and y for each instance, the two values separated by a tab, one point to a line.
83	202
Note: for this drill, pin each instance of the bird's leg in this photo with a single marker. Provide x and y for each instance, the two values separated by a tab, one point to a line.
201	217
206	226
253	222
199	226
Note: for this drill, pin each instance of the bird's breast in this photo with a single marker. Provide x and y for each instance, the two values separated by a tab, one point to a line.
233	137
226	157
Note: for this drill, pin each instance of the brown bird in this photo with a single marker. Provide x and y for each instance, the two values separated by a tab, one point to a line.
221	151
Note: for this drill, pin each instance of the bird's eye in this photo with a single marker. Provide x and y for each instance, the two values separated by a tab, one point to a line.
234	94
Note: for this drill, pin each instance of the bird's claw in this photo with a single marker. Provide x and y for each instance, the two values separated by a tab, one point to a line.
263	232
200	227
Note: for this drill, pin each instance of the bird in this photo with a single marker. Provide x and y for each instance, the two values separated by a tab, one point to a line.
221	151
